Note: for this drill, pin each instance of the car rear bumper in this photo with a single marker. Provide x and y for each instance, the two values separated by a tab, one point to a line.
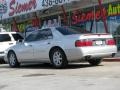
89	52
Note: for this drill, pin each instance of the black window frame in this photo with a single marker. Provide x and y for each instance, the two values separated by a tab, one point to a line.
17	36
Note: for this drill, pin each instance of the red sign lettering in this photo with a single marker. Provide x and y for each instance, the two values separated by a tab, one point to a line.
36	22
16	7
79	17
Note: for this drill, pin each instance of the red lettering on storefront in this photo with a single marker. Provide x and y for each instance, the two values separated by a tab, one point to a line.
90	16
16	8
97	15
82	17
36	22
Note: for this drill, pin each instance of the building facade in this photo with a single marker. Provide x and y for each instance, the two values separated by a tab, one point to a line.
89	15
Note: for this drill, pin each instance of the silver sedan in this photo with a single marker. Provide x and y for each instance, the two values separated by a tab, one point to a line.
61	45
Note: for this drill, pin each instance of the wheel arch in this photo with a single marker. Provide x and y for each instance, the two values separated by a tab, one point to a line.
58	48
10	51
15	60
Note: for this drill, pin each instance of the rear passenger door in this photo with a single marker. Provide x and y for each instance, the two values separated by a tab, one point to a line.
43	44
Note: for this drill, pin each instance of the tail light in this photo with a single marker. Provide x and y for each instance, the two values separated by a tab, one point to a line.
83	43
110	42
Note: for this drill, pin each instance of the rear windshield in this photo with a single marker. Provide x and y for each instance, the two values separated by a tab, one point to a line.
71	30
4	37
17	37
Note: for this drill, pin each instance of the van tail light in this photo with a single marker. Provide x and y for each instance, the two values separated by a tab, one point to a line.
110	42
83	43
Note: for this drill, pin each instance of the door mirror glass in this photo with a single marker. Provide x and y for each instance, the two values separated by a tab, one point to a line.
20	40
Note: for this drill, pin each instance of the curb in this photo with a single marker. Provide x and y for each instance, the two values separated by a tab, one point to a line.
112	59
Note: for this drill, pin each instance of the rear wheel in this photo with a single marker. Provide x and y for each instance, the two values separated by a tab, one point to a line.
95	61
12	59
58	58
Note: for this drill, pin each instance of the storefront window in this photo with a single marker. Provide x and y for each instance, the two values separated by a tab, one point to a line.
113	23
91	26
114	27
100	27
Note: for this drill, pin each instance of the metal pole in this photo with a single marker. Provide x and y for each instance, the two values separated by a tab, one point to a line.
104	20
95	23
65	14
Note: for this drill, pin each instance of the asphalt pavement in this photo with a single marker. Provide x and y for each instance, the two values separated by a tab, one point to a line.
115	58
80	76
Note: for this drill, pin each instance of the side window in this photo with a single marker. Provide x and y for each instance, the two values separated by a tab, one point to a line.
44	34
17	37
4	37
31	37
40	35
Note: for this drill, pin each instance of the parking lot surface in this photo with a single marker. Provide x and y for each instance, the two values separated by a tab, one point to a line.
75	77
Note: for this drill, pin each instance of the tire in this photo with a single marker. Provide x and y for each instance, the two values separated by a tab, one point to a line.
2	61
58	58
95	62
12	60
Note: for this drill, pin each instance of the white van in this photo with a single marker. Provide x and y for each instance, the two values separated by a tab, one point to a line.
8	39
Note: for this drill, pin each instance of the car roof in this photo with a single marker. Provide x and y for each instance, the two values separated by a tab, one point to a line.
47	28
8	32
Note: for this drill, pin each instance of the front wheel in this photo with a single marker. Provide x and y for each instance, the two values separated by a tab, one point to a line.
12	59
58	58
95	61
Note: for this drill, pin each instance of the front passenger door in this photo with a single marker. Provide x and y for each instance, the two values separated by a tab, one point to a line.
26	49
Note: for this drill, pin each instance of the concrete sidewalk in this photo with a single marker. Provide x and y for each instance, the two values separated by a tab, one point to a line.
116	58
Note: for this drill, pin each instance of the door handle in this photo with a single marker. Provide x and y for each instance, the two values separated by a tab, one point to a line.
10	43
48	43
30	45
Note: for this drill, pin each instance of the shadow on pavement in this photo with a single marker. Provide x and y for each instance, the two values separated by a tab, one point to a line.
49	66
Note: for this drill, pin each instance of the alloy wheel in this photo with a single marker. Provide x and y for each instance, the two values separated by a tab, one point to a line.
57	58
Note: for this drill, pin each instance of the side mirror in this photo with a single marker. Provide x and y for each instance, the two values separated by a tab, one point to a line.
20	40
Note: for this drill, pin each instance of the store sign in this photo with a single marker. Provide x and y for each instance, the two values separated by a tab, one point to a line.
82	17
19	7
113	9
110	10
49	3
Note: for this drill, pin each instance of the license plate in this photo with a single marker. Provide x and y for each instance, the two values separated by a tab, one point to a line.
98	42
